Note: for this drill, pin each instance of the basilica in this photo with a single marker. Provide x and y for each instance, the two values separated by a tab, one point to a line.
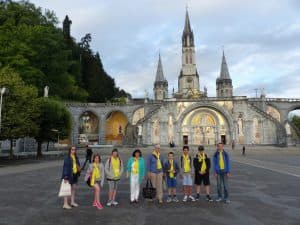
189	116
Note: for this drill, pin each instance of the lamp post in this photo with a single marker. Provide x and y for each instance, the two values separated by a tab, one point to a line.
2	91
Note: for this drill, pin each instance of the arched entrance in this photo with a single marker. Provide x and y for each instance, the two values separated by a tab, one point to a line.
138	115
88	128
116	122
292	126
205	126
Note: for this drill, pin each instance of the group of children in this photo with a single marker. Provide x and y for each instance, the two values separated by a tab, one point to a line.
158	171
197	167
201	164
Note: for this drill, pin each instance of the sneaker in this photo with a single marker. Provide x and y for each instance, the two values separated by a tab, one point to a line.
227	201
67	206
169	199
209	199
175	199
99	206
74	204
109	203
218	200
192	198
185	198
114	202
160	201
197	197
94	203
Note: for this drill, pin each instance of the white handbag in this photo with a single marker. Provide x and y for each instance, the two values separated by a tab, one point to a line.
65	189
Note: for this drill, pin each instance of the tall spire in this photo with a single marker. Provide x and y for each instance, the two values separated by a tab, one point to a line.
187	34
224	74
224	86
187	24
160	84
159	73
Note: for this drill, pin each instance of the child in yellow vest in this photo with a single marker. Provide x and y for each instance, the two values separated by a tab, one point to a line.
202	167
186	166
95	178
113	170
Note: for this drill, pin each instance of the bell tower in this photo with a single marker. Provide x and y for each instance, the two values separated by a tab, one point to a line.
188	81
161	84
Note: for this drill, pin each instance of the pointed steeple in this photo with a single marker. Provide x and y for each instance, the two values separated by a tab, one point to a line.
187	25
224	86
187	34
159	73
160	84
224	74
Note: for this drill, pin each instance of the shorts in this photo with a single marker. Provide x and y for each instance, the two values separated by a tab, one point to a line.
171	182
202	178
74	178
187	180
113	184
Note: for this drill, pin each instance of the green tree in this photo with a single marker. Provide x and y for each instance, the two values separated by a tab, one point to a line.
19	108
54	119
31	43
296	121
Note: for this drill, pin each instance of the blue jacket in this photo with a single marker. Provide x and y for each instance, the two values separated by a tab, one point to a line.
67	168
141	167
167	167
152	164
226	163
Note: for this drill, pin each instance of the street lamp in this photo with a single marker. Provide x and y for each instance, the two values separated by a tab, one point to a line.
2	91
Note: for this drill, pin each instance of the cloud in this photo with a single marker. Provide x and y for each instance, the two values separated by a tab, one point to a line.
261	40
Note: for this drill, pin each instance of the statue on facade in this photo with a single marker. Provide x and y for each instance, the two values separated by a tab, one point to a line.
131	135
46	91
67	27
205	91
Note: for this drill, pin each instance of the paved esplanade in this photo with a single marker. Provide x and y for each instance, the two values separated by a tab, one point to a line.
264	189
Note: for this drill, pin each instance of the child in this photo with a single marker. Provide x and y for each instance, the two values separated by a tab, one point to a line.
202	167
171	169
113	169
186	166
95	178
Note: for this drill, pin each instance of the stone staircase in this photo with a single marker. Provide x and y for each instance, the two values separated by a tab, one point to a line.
281	132
155	109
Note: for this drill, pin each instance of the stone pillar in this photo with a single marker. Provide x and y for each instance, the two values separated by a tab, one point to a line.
102	127
163	133
75	131
248	133
263	141
218	135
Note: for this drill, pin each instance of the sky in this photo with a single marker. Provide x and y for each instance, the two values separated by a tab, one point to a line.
261	40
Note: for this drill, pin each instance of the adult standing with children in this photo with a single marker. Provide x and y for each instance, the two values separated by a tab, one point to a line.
155	172
136	171
71	172
222	172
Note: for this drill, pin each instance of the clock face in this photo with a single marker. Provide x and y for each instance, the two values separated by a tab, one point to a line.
189	80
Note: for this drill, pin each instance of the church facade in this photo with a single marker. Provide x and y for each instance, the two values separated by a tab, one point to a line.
189	117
